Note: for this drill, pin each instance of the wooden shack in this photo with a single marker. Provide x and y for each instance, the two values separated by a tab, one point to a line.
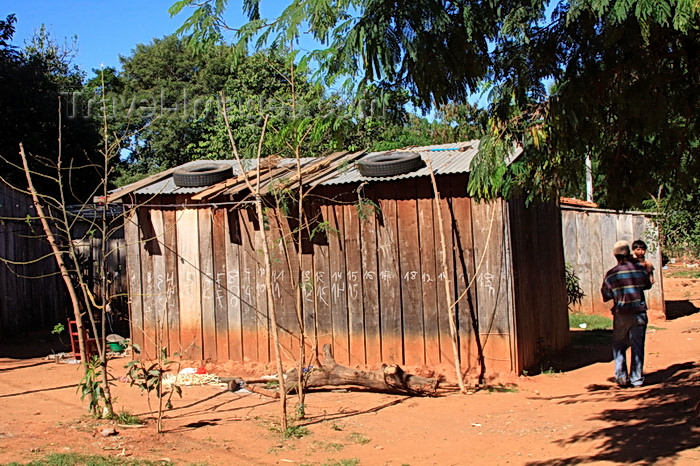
370	268
589	234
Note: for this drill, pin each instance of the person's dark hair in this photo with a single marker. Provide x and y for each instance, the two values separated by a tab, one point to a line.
639	244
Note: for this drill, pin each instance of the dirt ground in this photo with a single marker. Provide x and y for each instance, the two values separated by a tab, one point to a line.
572	415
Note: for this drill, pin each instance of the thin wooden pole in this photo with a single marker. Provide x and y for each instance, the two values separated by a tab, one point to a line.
58	255
445	273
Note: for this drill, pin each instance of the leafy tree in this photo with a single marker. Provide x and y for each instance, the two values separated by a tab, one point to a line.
624	77
32	79
168	100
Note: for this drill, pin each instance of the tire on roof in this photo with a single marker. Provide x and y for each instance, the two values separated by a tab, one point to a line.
202	175
390	164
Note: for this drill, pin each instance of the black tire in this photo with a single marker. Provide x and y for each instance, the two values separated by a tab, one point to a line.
390	164
201	175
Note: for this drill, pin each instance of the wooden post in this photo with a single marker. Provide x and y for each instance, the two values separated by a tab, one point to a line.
448	294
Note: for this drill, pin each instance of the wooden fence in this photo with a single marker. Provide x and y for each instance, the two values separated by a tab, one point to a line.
34	295
589	235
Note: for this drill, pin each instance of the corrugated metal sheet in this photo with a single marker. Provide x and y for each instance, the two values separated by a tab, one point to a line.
167	185
445	159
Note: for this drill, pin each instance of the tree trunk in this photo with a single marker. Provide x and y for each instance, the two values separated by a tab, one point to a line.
389	378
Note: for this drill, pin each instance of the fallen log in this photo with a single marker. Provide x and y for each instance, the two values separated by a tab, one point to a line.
390	378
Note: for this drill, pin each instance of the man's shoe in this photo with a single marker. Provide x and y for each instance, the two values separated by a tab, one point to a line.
623	383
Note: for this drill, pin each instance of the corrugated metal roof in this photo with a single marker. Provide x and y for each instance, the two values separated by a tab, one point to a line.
445	158
167	185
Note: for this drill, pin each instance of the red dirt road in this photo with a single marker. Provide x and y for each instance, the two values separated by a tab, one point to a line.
577	416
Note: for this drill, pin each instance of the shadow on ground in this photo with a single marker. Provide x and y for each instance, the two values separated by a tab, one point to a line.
587	347
663	424
33	345
680	308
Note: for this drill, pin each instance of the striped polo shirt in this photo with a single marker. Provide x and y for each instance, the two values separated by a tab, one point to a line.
625	284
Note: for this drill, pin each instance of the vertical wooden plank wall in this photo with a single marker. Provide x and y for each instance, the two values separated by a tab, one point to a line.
372	287
589	236
492	285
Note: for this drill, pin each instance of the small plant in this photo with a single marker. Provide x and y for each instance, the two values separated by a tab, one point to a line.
336	427
91	386
126	418
65	459
149	378
358	438
574	292
327	446
272	384
58	329
504	388
294	431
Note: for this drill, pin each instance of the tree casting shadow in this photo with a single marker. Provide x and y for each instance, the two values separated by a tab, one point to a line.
662	425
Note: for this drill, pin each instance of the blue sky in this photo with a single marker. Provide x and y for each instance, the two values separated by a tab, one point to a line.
105	29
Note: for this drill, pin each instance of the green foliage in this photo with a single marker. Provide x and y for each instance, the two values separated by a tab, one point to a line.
366	208
574	292
35	82
125	417
91	386
688	273
323	228
78	459
591	321
617	80
677	222
58	329
296	431
356	437
149	378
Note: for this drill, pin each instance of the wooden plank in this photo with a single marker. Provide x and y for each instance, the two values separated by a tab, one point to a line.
308	297
128	189
248	284
322	282
265	350
460	214
430	264
171	281
219	222
584	267
370	282
410	272
148	249
283	259
446	203
160	298
608	234
570	236
389	279
353	267
594	303
189	284
491	282
625	228
338	284
206	270
133	267
233	284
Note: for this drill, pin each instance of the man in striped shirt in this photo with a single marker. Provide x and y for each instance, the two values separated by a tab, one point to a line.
625	284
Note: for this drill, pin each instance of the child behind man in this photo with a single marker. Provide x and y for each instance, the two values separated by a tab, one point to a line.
639	250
